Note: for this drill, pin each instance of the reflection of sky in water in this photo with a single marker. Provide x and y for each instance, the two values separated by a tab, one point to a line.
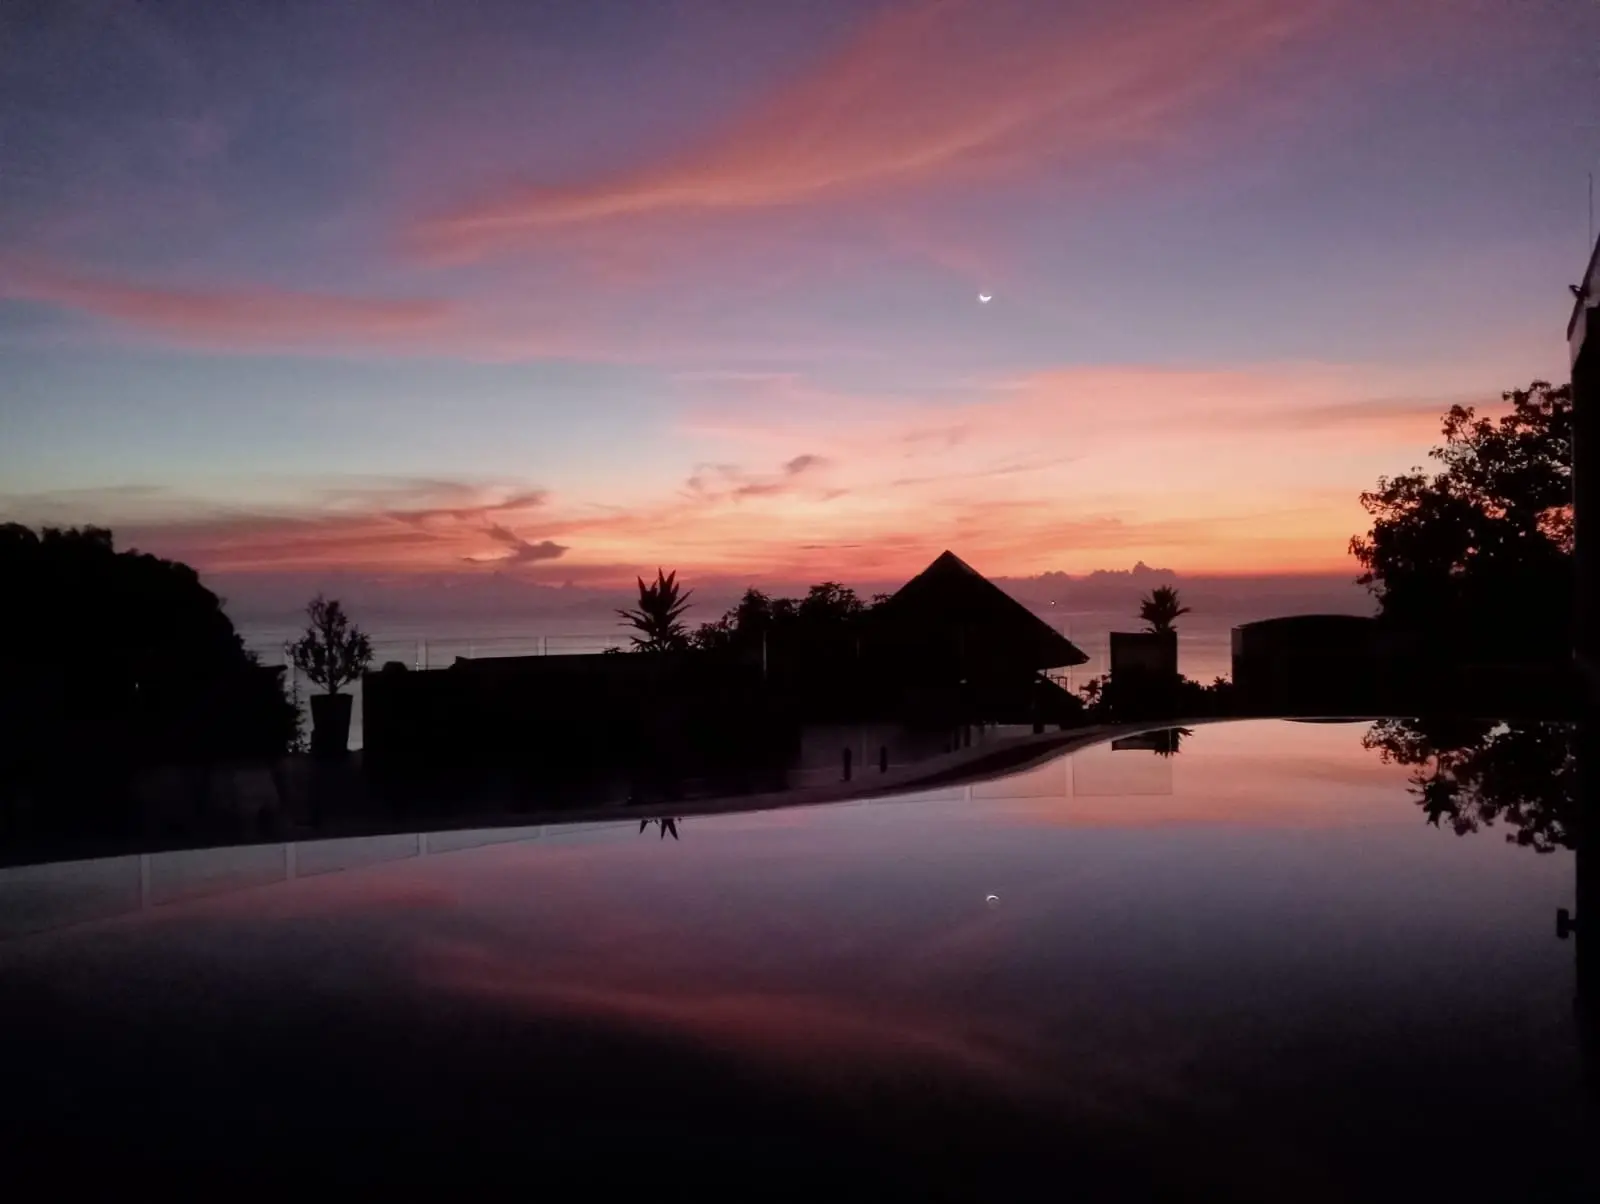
1261	922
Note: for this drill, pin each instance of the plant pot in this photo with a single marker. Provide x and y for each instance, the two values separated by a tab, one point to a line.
330	724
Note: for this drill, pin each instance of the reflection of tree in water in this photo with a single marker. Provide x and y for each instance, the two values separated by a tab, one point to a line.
668	827
1164	742
1475	772
1171	739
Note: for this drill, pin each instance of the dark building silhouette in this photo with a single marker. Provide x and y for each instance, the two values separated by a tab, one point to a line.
546	718
949	648
1144	680
1314	664
1144	659
1583	339
959	622
1360	665
950	640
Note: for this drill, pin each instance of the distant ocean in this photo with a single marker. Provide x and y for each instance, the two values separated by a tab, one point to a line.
1204	641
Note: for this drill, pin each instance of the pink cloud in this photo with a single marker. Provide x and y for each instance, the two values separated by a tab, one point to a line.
519	550
248	317
1204	470
1069	411
932	92
489	322
797	475
404	527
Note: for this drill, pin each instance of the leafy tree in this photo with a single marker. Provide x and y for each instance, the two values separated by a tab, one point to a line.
332	652
755	611
657	618
1474	773
827	611
116	658
754	616
829	604
1104	703
1094	689
1485	541
715	636
1160	608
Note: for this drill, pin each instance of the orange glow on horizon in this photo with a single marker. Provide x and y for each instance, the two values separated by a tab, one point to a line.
1200	471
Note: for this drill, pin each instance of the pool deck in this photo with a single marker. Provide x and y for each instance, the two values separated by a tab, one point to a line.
959	768
259	797
305	799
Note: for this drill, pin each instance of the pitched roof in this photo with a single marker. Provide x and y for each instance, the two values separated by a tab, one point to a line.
950	593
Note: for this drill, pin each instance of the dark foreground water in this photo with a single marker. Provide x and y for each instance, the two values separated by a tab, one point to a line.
1249	970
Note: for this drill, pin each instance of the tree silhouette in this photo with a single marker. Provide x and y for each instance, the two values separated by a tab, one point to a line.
1160	608
1475	773
1105	703
117	658
829	604
828	611
742	626
332	652
661	606
1487	539
1171	740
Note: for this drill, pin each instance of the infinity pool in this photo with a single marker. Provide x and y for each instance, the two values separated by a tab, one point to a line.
1234	963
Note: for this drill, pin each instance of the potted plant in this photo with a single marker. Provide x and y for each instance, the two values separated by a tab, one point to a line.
332	653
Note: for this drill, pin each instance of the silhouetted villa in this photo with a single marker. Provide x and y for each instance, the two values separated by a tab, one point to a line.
959	619
558	714
1311	664
950	633
1360	665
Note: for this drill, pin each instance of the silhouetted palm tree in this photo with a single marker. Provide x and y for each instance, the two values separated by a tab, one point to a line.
1161	609
661	605
1171	740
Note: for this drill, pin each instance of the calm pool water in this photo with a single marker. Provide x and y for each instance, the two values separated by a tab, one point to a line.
1247	969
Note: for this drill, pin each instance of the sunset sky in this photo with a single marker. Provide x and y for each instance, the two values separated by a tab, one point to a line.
569	290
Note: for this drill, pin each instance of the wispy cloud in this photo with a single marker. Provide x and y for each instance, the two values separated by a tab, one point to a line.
1201	469
473	509
519	550
712	481
803	463
934	91
1071	409
402	525
249	317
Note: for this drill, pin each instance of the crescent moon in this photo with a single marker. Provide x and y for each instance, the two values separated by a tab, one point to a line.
985	298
